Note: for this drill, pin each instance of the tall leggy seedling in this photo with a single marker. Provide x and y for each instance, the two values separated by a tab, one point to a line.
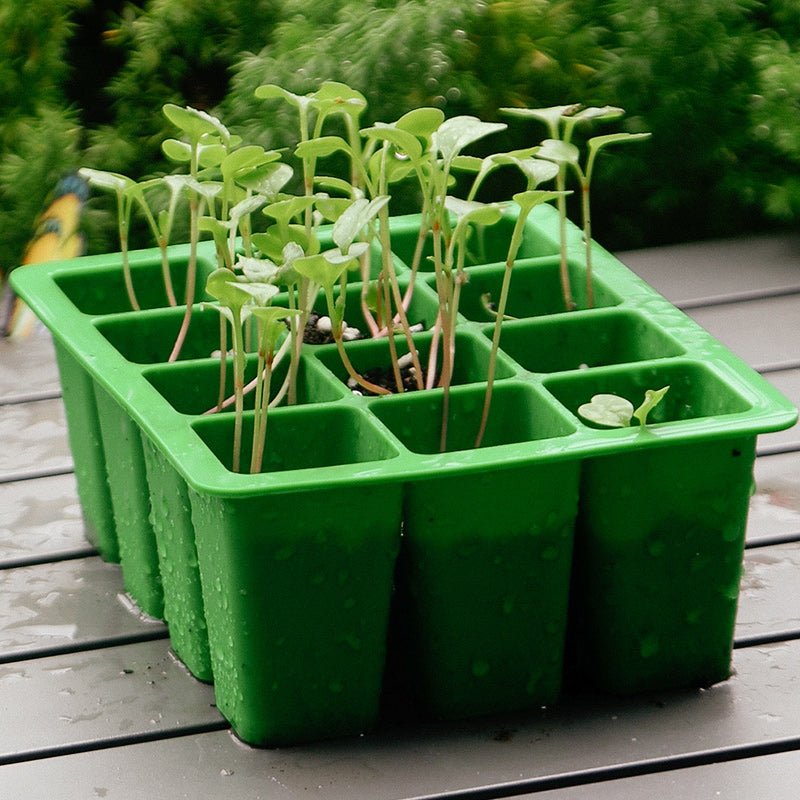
567	155
203	131
561	122
326	269
527	201
120	186
271	324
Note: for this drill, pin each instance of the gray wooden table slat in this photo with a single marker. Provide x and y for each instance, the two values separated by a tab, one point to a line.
40	519
585	740
34	439
775	506
28	367
697	271
769	600
761	332
79	700
65	605
770	777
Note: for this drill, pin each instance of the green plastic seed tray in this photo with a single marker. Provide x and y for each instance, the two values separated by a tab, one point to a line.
625	544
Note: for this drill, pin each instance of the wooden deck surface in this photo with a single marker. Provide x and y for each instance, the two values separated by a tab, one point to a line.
92	704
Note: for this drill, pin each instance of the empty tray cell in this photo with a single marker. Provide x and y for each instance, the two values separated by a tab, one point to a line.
518	413
535	290
305	437
371	359
148	337
695	391
193	387
485	245
102	291
580	340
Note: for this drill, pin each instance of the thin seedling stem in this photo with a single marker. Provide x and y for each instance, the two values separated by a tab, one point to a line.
393	358
191	278
569	302
165	271
501	310
363	382
391	276
587	239
238	390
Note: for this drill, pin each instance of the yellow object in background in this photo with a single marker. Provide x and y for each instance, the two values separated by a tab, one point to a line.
57	237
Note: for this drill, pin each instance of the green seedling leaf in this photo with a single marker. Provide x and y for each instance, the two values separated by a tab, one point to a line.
217	228
195	123
353	221
533	197
652	397
245	207
537	170
607	410
176	183
266	179
403	141
211	155
396	167
591	113
110	181
270	91
421	122
335	184
560	152
285	210
245	159
332	208
223	310
291	252
260	293
456	133
176	150
271	324
258	270
597	143
337	97
271	244
322	146
551	116
356	250
469	211
223	286
319	269
491	162
469	163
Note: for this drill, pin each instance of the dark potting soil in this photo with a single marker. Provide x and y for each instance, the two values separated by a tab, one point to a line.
313	335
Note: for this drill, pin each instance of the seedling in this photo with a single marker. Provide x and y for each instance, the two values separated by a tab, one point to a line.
271	323
611	411
566	154
119	184
326	269
527	201
561	122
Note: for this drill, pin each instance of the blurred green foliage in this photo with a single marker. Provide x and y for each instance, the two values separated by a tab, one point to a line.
717	83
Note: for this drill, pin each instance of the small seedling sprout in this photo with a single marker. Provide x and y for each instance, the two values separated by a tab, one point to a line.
612	411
